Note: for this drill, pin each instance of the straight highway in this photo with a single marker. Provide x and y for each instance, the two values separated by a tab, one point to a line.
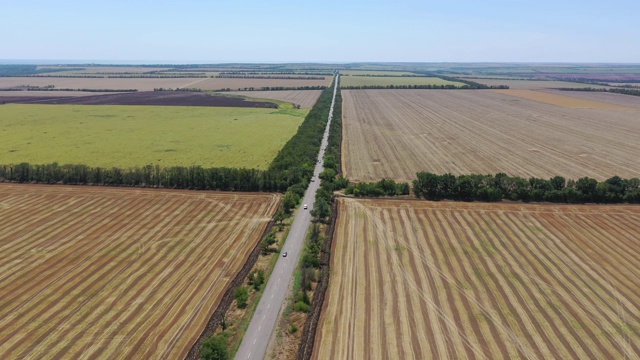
256	339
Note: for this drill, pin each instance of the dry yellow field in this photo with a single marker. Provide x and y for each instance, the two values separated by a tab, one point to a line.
564	100
396	133
610	98
118	273
305	98
444	280
534	84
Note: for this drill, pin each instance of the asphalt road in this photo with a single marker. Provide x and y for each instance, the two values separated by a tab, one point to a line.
256	339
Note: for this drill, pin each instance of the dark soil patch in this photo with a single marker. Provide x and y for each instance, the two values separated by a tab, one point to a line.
163	98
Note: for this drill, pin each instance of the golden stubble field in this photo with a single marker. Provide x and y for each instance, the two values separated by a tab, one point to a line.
116	273
445	280
305	98
396	133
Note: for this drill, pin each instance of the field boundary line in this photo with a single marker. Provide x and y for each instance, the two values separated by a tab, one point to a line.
305	351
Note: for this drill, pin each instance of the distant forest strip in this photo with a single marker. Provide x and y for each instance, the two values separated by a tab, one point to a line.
270	77
27	70
290	171
280	88
231	73
388	75
632	92
469	83
431	87
138	76
47	88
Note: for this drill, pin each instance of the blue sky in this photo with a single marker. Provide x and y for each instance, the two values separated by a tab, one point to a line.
322	31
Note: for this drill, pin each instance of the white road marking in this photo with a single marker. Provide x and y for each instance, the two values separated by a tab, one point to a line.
254	340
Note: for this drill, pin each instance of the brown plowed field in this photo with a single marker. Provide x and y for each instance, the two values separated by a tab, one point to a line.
305	98
240	84
444	280
396	133
162	98
109	273
4	95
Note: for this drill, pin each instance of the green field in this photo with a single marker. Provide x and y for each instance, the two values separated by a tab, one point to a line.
373	72
395	80
127	136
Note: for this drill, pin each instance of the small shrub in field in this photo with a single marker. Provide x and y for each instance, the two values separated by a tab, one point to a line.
301	307
241	294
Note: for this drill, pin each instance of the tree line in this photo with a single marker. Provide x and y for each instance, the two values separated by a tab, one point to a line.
27	70
53	88
139	76
384	187
276	73
431	87
276	88
270	77
469	84
175	177
632	92
503	187
331	178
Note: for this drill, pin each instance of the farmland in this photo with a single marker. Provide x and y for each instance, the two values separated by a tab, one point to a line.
305	98
347	81
160	98
609	98
140	84
564	100
238	84
91	272
396	133
373	72
534	84
488	281
127	136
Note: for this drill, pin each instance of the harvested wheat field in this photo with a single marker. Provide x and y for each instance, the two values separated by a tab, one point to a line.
563	100
396	133
305	98
240	84
116	273
445	280
601	97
